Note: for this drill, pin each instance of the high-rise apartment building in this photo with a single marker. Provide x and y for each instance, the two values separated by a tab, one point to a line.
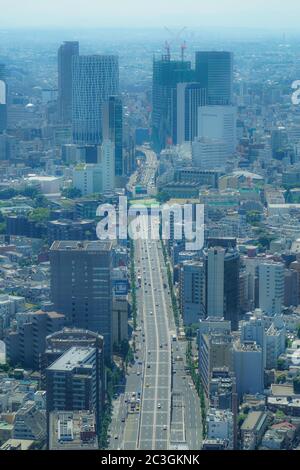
214	71
26	345
192	291
81	285
271	287
66	52
61	341
95	79
113	129
72	382
215	352
255	330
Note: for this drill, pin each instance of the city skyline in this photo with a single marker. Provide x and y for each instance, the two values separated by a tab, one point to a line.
149	229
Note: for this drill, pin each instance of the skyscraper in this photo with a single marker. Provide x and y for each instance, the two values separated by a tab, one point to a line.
3	99
66	52
81	285
214	71
248	368
218	122
166	74
222	283
95	79
189	97
113	129
192	291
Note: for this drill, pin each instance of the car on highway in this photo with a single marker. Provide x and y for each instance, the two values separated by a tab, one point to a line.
159	406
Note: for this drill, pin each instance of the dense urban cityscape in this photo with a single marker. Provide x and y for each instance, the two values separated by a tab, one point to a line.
149	240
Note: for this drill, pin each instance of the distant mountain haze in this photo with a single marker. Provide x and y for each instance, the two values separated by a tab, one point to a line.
274	14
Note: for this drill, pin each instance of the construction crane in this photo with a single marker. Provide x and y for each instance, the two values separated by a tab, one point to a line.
175	35
183	48
168	49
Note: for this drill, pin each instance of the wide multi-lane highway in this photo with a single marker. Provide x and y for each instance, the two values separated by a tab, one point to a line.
148	384
158	407
147	178
145	174
155	305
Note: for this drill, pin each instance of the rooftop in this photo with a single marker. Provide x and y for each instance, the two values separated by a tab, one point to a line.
15	444
89	246
72	431
282	390
254	421
74	357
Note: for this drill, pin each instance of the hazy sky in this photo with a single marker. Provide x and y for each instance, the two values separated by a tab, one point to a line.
278	14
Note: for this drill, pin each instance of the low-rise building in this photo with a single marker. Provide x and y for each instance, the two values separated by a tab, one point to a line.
220	425
30	423
253	429
72	430
17	444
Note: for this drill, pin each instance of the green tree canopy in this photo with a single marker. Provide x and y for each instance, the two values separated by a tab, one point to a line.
71	193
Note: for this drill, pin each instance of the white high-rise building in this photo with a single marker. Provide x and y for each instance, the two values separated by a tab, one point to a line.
106	158
269	333
99	177
95	78
218	123
271	287
254	330
209	154
87	178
